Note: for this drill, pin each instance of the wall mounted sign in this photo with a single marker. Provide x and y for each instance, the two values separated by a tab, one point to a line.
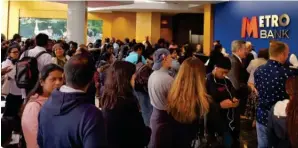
266	26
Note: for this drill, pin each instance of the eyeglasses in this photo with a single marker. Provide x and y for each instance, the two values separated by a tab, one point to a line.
59	49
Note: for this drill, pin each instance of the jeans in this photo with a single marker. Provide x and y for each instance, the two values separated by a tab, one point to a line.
13	105
12	109
262	135
228	140
146	107
231	139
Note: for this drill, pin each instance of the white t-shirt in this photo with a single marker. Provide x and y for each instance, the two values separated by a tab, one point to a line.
13	88
42	60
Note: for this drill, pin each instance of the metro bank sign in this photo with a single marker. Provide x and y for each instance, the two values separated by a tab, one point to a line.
265	26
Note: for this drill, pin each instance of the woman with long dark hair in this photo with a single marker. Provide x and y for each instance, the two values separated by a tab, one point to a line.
50	79
104	63
283	119
125	125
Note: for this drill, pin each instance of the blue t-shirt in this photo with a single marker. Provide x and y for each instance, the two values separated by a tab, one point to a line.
133	58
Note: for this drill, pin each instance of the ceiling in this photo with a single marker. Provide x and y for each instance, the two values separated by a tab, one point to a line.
164	6
98	3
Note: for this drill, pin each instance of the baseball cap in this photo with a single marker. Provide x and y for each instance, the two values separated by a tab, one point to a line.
158	57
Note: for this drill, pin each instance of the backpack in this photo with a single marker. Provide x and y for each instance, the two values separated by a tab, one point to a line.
139	63
27	72
143	72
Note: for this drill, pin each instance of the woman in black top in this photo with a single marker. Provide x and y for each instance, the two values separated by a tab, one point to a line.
124	123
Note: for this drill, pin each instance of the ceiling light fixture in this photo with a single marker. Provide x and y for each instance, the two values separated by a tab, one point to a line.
149	1
164	22
152	1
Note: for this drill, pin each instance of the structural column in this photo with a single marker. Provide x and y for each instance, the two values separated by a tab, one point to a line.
77	21
148	24
208	29
5	17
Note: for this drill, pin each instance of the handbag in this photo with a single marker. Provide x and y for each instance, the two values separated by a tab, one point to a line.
206	140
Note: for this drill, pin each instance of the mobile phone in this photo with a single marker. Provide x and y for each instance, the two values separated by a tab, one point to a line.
232	100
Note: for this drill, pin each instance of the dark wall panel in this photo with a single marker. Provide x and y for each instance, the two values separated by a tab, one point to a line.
183	22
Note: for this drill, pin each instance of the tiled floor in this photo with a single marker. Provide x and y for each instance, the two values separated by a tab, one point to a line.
248	135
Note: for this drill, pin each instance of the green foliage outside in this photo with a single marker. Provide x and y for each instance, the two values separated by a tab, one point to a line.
56	28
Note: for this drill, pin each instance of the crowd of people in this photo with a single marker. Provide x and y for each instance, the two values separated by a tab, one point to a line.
155	96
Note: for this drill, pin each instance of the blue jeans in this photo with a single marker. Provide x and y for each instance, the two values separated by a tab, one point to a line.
146	107
262	135
228	140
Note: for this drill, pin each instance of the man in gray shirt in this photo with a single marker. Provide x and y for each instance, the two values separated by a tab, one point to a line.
159	84
160	81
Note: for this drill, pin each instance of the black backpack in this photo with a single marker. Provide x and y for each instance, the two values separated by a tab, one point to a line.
27	72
